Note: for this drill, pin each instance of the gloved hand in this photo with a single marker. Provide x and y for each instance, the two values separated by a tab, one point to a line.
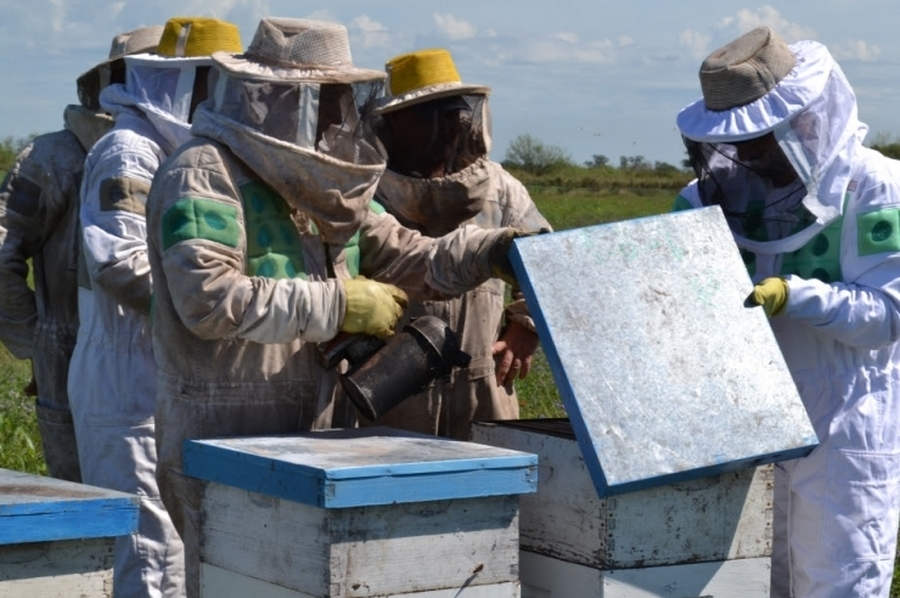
771	293
372	307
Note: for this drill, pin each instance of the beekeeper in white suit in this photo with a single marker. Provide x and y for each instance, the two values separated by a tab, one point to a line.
776	143
112	378
264	241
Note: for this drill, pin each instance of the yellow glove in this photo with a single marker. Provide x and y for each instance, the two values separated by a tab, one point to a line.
772	294
372	307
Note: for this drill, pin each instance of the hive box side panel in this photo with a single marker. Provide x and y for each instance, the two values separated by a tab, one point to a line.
720	517
221	583
546	577
365	551
60	569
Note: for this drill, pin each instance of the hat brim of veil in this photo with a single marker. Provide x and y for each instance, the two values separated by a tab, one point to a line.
429	93
246	67
791	95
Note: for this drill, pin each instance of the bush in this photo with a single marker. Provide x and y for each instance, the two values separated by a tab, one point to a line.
529	154
9	149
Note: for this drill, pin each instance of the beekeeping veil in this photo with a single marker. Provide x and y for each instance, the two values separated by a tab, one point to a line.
437	134
87	120
166	85
292	108
757	89
112	70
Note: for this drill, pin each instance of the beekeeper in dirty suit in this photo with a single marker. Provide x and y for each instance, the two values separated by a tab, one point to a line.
264	242
39	221
436	131
112	381
776	143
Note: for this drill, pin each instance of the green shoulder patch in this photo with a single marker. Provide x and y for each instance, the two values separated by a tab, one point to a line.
196	218
878	231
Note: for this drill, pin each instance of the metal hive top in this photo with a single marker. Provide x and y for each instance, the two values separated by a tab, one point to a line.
664	374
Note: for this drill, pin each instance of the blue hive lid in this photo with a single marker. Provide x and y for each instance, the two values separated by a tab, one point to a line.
42	509
360	467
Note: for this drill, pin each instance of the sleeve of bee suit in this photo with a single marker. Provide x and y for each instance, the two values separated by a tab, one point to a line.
520	212
424	267
117	177
198	228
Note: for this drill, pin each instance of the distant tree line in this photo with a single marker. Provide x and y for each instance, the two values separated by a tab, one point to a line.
525	153
528	154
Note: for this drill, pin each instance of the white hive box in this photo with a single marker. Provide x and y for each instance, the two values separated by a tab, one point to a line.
359	513
57	537
664	374
659	483
709	534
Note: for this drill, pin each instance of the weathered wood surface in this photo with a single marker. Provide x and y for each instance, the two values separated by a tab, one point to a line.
721	517
546	577
361	467
409	548
40	509
60	569
222	583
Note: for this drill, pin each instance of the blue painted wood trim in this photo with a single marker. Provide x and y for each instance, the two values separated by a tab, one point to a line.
67	520
366	485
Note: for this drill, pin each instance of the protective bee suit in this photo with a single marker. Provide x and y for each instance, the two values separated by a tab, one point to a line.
464	187
112	381
817	216
259	228
39	221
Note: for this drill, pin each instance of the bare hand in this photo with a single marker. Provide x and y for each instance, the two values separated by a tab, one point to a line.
513	352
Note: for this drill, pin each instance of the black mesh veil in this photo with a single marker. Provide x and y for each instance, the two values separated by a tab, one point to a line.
760	198
444	135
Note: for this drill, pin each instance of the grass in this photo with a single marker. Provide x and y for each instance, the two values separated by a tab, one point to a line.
20	444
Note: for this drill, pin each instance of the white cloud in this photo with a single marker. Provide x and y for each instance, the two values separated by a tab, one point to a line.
855	50
697	43
454	28
747	19
567	48
373	33
565	36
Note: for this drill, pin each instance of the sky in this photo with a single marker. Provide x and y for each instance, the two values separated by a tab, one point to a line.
591	78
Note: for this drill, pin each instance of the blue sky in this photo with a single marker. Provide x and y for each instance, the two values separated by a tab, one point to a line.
596	77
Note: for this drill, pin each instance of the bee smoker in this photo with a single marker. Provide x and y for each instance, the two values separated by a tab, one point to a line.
383	374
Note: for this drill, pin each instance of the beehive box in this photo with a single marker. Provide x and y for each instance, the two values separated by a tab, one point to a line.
721	517
664	373
359	513
57	537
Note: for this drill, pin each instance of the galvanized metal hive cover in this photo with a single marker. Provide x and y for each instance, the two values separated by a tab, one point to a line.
664	374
